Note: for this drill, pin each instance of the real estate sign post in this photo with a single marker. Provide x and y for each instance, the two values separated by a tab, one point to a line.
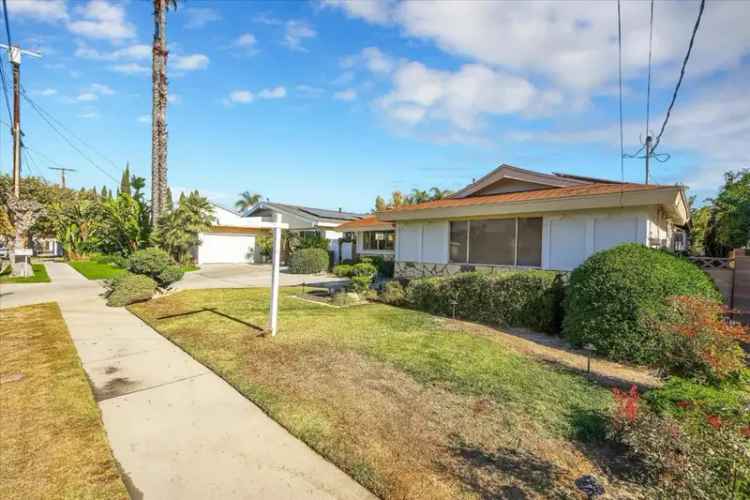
276	262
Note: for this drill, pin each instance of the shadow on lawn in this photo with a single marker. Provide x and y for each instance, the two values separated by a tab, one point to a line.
504	473
215	311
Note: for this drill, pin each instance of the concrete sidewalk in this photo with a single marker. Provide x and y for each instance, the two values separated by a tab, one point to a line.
178	430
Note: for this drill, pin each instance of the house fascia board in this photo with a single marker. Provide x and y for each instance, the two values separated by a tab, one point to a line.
517	174
374	227
667	197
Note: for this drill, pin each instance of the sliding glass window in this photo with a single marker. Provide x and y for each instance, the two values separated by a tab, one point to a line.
504	242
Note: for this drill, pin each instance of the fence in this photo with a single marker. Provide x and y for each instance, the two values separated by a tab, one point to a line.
732	277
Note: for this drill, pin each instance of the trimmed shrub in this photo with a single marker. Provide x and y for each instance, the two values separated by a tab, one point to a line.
514	298
308	261
614	296
343	270
129	289
393	293
385	267
361	282
151	262
170	274
364	269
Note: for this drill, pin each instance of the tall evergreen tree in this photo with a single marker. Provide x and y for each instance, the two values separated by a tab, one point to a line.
169	206
125	181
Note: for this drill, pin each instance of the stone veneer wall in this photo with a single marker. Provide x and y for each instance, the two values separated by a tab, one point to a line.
413	270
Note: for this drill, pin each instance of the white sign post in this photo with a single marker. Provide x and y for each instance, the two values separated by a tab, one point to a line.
273	317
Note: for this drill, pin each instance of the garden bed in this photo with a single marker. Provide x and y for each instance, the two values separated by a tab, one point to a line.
409	407
53	441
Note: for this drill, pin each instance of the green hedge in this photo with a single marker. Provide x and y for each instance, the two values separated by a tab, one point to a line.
514	298
129	289
308	261
615	294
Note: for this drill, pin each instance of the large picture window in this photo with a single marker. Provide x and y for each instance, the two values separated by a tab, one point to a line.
508	242
378	240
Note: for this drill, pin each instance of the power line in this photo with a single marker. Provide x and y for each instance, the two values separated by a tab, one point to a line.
650	52
682	74
66	139
7	24
39	109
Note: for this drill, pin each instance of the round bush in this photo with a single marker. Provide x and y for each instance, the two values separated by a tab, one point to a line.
393	293
615	295
151	262
130	288
343	270
170	274
308	261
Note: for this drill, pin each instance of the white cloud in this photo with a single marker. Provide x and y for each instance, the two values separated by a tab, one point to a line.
273	93
131	69
296	32
372	58
309	90
374	11
245	41
87	97
345	95
39	10
459	97
198	17
191	62
102	20
571	44
144	119
46	92
241	96
101	89
137	52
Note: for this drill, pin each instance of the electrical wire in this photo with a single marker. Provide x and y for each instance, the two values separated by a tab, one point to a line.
682	75
39	109
66	139
7	24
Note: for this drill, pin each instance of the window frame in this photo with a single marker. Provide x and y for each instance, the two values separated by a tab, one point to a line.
369	236
467	261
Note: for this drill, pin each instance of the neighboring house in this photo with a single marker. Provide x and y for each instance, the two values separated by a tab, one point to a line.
231	240
306	220
371	237
519	218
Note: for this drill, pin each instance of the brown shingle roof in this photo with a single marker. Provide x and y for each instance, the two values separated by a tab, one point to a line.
363	223
540	194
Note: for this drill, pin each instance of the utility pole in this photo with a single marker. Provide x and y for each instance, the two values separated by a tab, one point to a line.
14	54
648	157
62	173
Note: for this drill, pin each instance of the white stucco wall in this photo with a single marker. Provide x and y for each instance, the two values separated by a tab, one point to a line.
223	248
567	238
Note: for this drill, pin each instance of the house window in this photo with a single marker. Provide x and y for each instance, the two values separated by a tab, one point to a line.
506	242
378	240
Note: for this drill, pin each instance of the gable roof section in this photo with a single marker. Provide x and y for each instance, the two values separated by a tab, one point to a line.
307	213
505	171
369	222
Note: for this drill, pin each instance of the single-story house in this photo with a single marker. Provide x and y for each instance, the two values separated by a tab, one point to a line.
514	217
231	240
306	220
371	237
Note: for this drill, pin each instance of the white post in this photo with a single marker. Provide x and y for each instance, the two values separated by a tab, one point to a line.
276	260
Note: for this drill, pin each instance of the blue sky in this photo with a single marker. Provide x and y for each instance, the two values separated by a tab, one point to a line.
330	103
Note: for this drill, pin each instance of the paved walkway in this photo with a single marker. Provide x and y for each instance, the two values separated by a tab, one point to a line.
178	430
245	275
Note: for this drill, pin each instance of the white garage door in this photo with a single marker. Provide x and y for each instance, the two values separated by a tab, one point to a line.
226	249
567	245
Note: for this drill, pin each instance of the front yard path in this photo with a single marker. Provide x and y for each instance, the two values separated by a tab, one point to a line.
177	430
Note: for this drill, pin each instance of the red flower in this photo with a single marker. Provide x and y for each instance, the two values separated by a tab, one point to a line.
627	403
745	431
683	404
714	421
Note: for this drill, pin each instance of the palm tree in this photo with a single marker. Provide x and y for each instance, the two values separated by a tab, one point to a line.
439	194
419	196
159	108
247	200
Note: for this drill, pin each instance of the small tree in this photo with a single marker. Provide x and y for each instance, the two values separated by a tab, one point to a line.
178	231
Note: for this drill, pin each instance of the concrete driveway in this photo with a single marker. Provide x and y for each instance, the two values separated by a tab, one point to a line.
245	275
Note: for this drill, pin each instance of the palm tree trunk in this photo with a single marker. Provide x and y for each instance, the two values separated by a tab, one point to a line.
159	112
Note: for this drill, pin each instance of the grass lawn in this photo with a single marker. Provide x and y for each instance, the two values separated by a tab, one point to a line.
408	404
53	441
103	271
95	270
40	276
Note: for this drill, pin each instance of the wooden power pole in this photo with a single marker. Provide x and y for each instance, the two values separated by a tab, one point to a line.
62	174
14	53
